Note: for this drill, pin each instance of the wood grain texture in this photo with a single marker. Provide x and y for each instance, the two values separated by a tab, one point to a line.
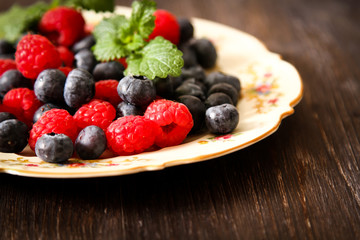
302	182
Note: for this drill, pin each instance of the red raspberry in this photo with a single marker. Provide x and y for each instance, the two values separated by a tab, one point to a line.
131	134
56	121
67	57
65	70
107	90
96	112
35	53
174	119
23	103
62	25
166	26
6	64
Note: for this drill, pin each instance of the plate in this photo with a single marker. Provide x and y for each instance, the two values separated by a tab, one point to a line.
271	87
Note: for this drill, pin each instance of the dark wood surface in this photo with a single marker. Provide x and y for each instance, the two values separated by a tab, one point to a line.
302	182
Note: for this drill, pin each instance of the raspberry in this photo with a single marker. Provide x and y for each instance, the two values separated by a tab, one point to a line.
97	112
23	103
67	57
131	134
107	90
65	70
166	25
62	25
53	121
174	119
35	53
6	64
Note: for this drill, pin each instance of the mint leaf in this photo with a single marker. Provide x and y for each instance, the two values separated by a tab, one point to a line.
96	5
159	58
142	18
108	44
18	20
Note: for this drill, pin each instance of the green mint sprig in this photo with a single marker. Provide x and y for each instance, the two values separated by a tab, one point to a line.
119	37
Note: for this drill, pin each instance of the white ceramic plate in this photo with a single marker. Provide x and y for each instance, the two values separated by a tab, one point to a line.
271	88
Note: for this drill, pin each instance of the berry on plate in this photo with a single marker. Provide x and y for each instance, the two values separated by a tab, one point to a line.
6	64
54	147
35	53
131	134
13	136
175	121
56	121
90	143
166	25
222	119
97	112
62	25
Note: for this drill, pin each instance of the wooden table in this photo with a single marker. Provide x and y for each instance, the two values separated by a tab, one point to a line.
302	182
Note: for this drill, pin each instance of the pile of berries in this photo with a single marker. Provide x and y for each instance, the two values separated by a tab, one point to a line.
60	100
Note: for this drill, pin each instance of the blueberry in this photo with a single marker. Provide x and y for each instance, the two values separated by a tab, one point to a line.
189	56
186	29
222	119
219	77
85	43
165	87
7	56
6	47
54	147
227	89
190	89
108	70
85	59
196	72
41	110
6	116
125	109
13	136
217	98
196	82
205	52
136	90
90	143
49	86
79	88
13	79
197	110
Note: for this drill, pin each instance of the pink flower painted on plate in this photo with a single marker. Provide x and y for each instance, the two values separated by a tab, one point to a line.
273	101
75	165
31	165
224	137
263	88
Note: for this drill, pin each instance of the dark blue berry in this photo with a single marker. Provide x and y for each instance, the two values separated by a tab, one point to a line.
190	89
205	52
6	47
196	82
13	79
13	136
186	29
136	90
49	86
6	116
7	56
165	87
90	143
221	119
125	109
79	88
40	111
227	89
219	77
108	70
54	147
85	59
217	98
196	72
189	56
85	43
197	110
